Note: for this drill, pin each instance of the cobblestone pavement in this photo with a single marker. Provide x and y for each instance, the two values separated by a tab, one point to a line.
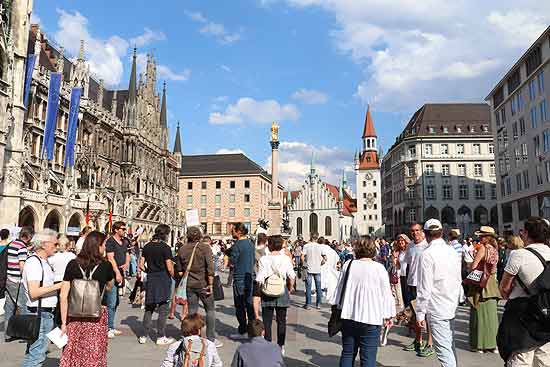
308	344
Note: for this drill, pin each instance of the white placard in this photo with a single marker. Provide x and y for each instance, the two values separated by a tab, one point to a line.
59	340
192	218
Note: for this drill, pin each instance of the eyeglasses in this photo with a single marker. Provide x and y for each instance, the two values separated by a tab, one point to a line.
122	229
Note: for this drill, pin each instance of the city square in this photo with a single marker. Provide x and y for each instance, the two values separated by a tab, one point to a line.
280	182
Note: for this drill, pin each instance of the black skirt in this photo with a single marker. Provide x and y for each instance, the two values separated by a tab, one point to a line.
158	288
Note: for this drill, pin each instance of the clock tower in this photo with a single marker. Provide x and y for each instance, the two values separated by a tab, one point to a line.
368	219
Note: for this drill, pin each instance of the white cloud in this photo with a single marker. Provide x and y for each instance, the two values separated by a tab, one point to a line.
164	72
295	158
310	96
249	110
412	52
229	151
148	36
217	30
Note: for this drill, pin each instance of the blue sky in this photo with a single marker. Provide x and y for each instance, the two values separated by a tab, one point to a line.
313	65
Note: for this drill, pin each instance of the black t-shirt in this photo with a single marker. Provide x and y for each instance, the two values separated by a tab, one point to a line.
119	250
103	274
155	255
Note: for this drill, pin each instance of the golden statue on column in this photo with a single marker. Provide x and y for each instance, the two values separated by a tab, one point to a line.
274	131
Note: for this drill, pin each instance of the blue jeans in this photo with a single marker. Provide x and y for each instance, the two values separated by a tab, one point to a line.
443	337
358	336
132	268
317	278
36	352
111	301
9	306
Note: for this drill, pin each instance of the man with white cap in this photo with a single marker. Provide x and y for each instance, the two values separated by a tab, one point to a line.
439	292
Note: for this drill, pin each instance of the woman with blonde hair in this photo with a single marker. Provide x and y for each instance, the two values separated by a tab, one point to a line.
483	298
402	243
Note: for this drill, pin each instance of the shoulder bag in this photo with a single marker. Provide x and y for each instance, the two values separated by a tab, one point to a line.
478	276
181	292
85	296
27	326
335	322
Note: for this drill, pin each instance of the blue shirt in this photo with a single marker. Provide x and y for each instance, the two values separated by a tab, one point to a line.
243	258
258	352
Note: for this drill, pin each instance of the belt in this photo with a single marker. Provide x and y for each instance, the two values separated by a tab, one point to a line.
43	309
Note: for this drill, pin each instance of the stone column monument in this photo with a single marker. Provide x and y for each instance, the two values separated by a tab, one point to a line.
274	205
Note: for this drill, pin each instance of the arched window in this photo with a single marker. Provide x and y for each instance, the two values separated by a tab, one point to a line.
313	224
328	226
299	227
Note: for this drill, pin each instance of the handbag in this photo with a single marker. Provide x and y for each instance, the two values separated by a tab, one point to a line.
478	276
335	322
25	327
217	289
85	296
181	292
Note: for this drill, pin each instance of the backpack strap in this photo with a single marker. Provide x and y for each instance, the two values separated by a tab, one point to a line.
203	352
544	264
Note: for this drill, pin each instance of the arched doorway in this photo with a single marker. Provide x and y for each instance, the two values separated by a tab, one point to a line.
494	216
53	220
448	216
328	226
75	221
481	215
464	220
299	226
431	212
313	223
27	218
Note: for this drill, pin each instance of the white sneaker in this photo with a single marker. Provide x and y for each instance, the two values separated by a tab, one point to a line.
283	351
111	334
117	332
218	343
164	341
238	336
142	340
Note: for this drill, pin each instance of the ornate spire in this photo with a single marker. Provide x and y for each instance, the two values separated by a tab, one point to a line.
163	120
312	163
81	51
131	106
368	130
177	143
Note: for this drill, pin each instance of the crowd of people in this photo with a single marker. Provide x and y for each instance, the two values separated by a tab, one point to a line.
418	280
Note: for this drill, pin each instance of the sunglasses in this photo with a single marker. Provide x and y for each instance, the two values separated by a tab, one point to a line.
122	229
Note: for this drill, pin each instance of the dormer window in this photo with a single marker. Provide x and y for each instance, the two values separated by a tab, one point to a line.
485	128
458	128
445	129
472	129
431	130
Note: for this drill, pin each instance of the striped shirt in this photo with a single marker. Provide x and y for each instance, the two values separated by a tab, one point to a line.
17	251
457	247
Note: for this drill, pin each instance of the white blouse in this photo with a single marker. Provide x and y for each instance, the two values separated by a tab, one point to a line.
368	298
268	264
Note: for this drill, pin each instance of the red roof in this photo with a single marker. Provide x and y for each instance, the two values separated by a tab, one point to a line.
369	160
350	205
368	130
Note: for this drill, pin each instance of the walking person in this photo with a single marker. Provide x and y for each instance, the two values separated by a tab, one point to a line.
367	304
243	259
313	256
412	258
196	256
117	254
516	345
86	336
17	254
276	266
483	298
439	292
156	261
402	243
38	280
261	250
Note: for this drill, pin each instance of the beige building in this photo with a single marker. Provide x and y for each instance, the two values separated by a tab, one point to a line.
441	166
122	162
520	116
225	189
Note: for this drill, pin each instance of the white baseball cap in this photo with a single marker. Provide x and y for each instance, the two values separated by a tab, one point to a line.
432	225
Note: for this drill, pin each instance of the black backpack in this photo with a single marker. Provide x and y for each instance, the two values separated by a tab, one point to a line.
538	314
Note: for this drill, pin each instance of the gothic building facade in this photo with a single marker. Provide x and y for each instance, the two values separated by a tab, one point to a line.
123	169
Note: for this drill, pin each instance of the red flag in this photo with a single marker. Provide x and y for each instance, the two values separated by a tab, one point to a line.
110	218
88	211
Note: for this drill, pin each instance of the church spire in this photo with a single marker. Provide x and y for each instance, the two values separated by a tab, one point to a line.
131	106
163	121
177	142
369	134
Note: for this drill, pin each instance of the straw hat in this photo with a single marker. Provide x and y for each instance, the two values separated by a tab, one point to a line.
456	231
486	231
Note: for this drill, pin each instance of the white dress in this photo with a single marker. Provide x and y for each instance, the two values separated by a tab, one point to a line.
329	272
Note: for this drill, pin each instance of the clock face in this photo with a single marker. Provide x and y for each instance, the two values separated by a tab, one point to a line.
368	176
370	201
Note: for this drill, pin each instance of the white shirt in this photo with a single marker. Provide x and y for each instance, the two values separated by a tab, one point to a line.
527	266
402	263
412	259
79	244
59	262
212	358
269	264
33	271
439	282
314	255
368	298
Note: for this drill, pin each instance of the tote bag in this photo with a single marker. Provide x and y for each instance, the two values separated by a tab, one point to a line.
181	292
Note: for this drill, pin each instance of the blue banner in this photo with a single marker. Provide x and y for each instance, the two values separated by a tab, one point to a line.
74	108
28	78
51	115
